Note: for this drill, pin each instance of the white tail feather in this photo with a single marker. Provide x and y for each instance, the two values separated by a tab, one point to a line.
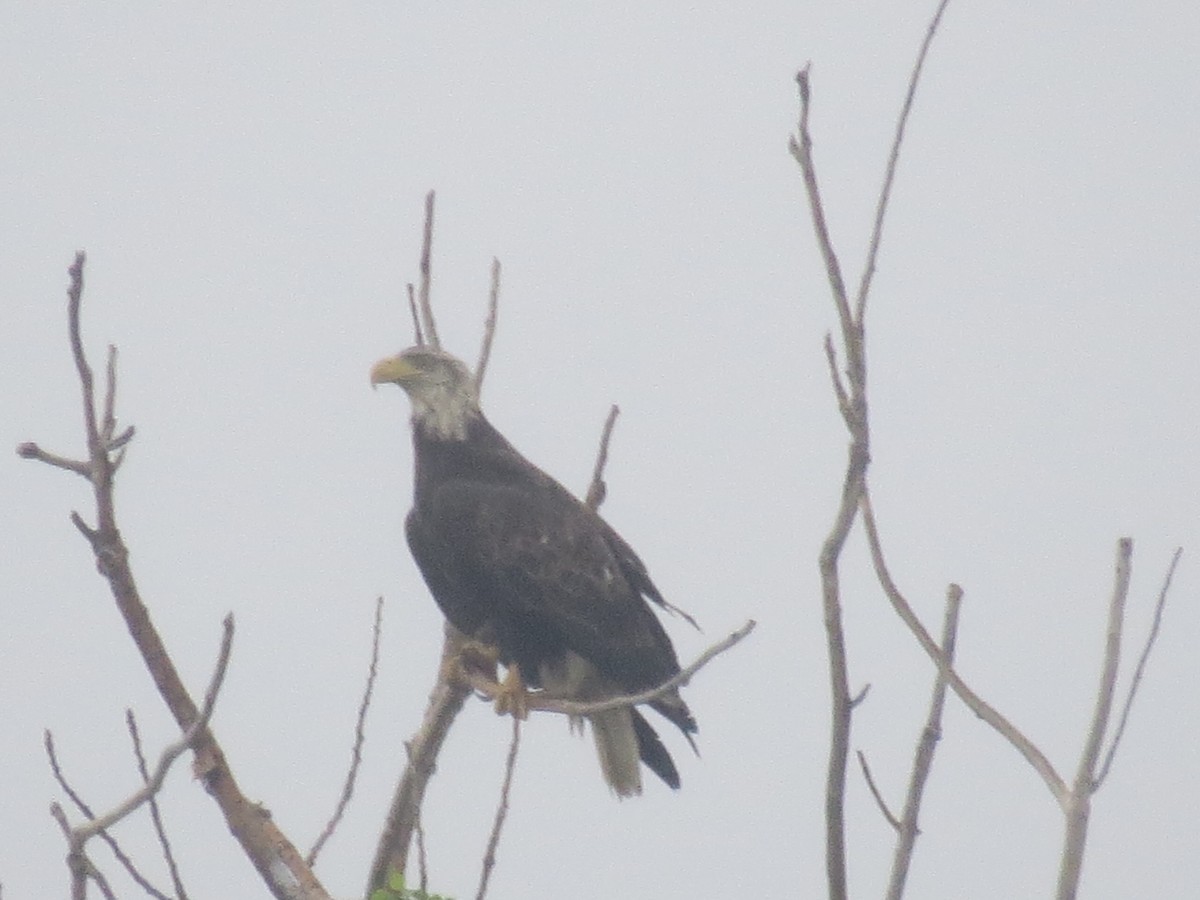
616	742
617	747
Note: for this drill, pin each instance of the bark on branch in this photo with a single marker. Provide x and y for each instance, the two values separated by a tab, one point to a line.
278	862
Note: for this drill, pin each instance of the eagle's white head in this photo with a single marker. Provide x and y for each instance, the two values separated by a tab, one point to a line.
442	389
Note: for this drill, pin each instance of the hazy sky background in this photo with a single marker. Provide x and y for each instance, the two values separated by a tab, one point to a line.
247	180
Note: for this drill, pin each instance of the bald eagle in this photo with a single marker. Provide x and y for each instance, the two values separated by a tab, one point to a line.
516	562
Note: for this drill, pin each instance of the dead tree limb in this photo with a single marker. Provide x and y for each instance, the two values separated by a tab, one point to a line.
909	826
360	737
277	860
852	403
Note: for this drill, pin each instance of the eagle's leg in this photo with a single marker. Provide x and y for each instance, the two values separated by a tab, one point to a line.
476	658
474	663
511	694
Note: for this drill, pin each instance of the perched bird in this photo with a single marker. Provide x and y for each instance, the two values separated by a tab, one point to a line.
517	563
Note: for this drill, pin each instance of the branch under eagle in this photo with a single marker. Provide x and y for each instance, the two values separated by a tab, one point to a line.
521	566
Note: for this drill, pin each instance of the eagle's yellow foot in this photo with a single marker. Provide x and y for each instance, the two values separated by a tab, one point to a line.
511	695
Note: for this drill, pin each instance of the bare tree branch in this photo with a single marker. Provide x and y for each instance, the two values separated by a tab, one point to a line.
74	858
835	378
30	450
889	178
489	856
422	858
418	332
78	835
923	759
360	737
170	753
852	403
78	863
879	801
155	813
548	702
489	327
597	490
445	701
108	425
1143	659
273	855
800	146
858	699
1079	802
974	702
427	320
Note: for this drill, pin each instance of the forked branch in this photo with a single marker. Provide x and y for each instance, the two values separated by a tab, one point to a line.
79	835
273	855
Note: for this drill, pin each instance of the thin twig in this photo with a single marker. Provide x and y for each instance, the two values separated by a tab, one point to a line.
422	858
1077	809
835	378
1138	672
885	192
546	702
857	699
923	758
1112	661
418	332
77	862
489	327
30	450
171	752
974	702
359	737
427	320
597	490
78	835
800	146
114	847
74	300
108	425
489	857
879	801
155	813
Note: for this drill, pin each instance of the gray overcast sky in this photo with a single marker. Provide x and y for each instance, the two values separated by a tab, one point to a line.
247	180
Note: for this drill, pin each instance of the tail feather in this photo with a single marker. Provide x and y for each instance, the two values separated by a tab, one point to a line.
617	745
652	751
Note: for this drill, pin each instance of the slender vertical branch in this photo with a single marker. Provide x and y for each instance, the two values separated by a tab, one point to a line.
1079	805
160	830
489	856
1140	670
923	759
418	332
597	490
800	145
853	405
489	327
360	737
424	303
889	178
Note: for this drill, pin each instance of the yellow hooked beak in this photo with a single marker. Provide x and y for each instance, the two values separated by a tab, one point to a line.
393	370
